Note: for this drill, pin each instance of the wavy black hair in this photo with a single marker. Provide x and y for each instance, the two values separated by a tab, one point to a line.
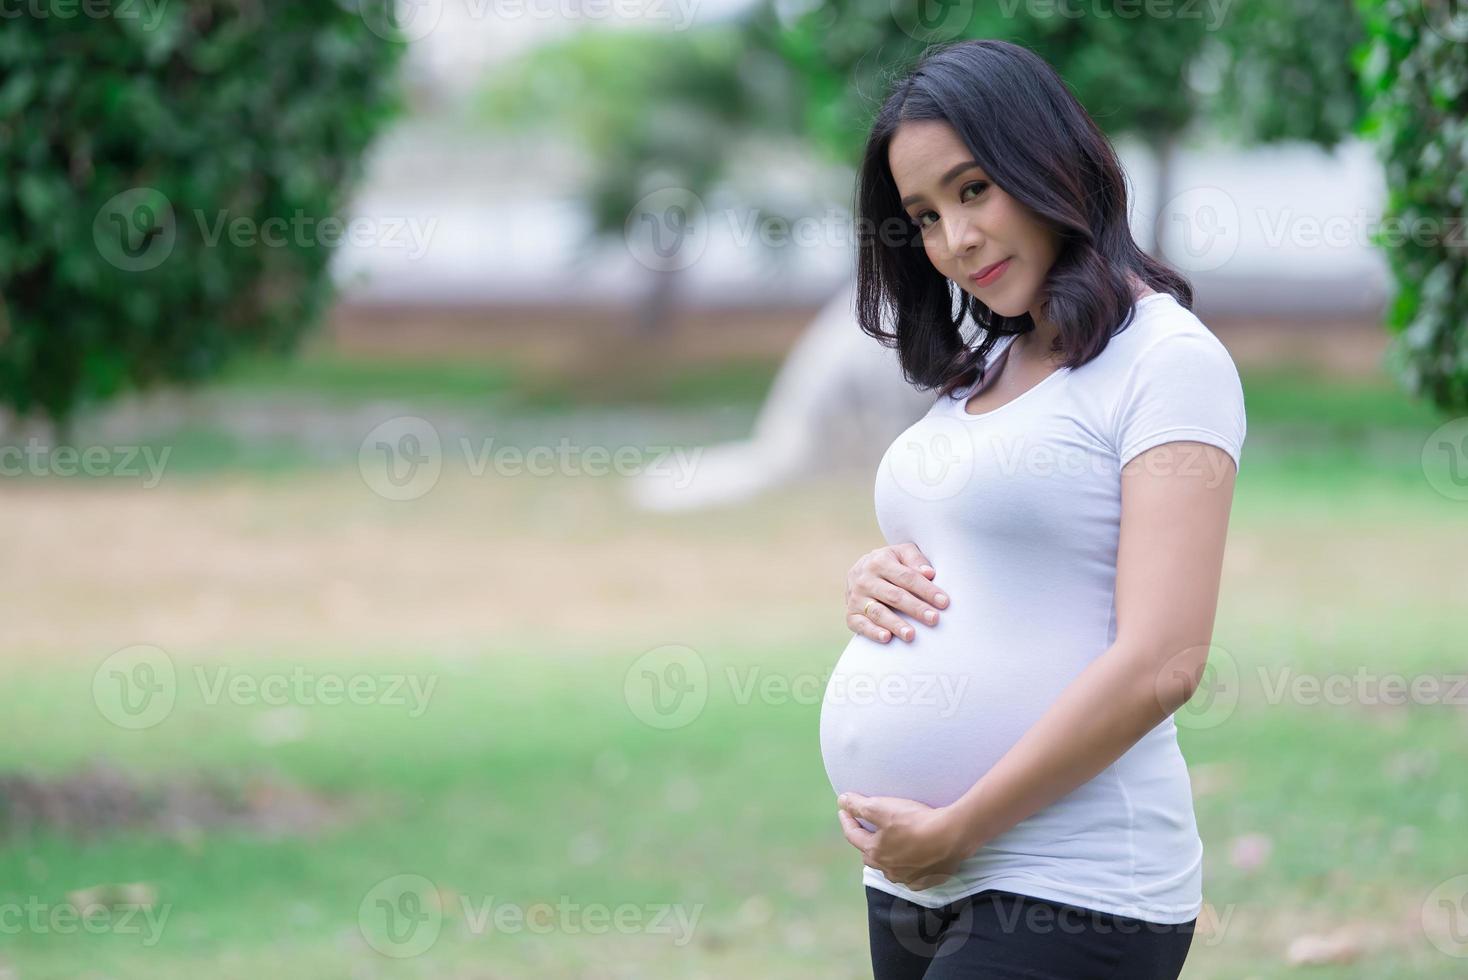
1035	141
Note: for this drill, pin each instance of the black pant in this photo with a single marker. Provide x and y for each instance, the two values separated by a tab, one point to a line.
1000	935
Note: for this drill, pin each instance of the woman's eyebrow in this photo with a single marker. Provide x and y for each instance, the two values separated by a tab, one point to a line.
946	179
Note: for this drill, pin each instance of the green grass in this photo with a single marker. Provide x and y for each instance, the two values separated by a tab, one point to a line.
530	779
1308	429
499	384
335	376
1284	395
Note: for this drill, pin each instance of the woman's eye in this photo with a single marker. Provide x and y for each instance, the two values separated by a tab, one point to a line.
982	185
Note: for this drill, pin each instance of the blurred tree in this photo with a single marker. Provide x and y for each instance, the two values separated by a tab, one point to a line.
814	70
1286	71
652	110
173	181
660	110
1415	71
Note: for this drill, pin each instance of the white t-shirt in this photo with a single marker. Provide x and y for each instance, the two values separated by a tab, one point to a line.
1019	511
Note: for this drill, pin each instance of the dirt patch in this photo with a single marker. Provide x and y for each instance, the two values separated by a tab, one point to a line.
571	339
101	798
318	563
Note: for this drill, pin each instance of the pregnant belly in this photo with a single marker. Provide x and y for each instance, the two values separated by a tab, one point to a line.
922	721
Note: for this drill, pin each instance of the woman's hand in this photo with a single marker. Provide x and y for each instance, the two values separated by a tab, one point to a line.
914	844
897	577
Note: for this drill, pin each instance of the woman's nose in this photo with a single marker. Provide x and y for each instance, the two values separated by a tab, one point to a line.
964	237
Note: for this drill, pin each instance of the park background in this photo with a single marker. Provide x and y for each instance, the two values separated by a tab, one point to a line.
309	671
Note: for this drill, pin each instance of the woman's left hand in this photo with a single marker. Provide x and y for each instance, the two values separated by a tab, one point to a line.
915	845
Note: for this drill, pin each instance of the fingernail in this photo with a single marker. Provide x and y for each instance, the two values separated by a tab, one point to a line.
930	616
942	599
907	632
927	568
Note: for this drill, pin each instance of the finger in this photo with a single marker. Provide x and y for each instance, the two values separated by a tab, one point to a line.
861	807
862	626
913	557
922	882
859	836
888	564
900	588
888	620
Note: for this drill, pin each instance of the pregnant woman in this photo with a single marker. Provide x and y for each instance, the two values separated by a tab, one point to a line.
1010	771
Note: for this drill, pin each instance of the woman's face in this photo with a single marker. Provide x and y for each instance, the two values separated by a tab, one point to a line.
968	224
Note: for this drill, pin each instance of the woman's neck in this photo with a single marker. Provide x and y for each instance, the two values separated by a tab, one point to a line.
1039	343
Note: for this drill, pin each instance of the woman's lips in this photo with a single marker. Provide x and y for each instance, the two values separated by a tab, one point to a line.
991	273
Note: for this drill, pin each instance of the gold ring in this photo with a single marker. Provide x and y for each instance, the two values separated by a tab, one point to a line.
867	606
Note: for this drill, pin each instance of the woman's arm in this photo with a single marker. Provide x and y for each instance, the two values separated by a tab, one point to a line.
1175	502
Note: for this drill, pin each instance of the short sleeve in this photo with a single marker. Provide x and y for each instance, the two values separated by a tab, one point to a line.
1184	387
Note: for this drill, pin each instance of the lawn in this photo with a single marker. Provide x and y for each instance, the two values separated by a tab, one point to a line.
409	831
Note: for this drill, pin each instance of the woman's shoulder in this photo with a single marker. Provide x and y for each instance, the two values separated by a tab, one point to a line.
1158	319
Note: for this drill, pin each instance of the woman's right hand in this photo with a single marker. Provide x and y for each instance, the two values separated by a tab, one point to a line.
893	579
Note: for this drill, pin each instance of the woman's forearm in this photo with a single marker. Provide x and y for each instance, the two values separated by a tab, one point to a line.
1118	698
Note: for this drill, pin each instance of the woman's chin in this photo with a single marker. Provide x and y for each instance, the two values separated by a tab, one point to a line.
1004	306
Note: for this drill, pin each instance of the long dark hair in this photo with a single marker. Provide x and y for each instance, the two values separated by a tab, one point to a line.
1036	142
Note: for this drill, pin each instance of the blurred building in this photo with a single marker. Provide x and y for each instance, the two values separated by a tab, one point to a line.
486	220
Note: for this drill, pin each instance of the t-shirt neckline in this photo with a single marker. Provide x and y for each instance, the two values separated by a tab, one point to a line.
961	401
